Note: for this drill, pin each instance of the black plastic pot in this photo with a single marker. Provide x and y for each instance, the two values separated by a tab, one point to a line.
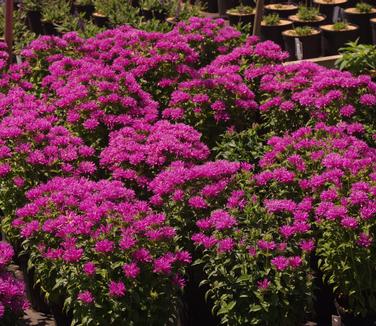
224	5
311	44
334	40
282	12
87	10
149	14
211	6
314	23
274	33
373	28
49	29
363	21
327	9
349	319
100	20
34	292
237	18
34	22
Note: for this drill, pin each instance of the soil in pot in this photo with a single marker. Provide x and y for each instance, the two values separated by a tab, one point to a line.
34	21
348	318
100	20
362	20
326	8
284	10
373	28
87	10
274	32
236	17
313	23
332	40
310	44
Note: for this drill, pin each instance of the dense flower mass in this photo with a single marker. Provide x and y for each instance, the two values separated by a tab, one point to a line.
110	183
12	291
74	224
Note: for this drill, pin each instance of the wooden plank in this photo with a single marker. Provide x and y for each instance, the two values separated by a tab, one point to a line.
322	61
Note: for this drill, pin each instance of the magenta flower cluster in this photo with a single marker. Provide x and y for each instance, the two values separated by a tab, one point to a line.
12	291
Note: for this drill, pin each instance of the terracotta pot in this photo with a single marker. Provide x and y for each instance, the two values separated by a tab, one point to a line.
314	23
333	40
327	8
34	21
363	21
238	18
311	44
274	32
283	12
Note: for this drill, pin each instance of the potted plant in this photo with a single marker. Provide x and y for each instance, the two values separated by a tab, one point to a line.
241	14
84	6
359	59
360	15
53	13
307	16
33	15
335	36
326	7
309	38
284	10
272	27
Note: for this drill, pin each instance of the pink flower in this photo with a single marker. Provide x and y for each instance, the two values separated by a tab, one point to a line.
263	284
116	289
131	270
295	261
85	297
280	262
89	268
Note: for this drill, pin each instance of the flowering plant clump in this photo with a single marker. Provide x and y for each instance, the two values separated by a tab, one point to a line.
106	253
208	37
221	98
295	95
137	154
337	170
93	99
33	148
12	291
158	61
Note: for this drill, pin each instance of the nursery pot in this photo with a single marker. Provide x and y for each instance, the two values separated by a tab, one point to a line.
34	22
327	8
333	40
311	44
33	291
285	11
224	5
88	10
100	20
49	29
373	28
242	18
274	32
312	23
349	319
211	6
149	14
363	21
